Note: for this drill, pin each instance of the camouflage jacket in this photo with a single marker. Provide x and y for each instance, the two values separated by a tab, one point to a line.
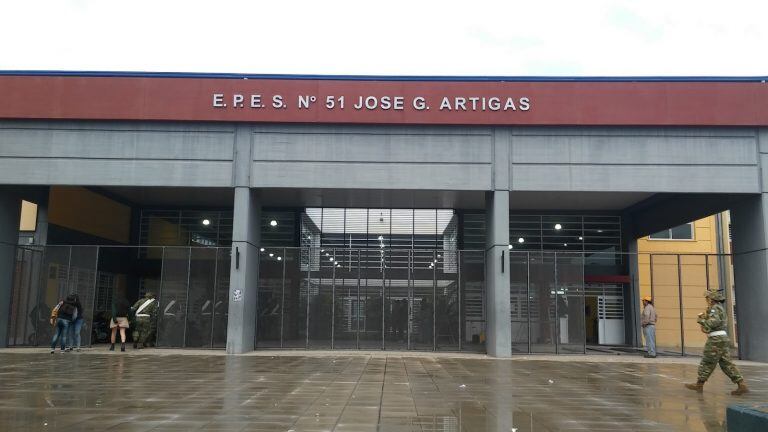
713	319
149	310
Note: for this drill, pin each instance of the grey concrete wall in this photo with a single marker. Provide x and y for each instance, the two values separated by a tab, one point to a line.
10	213
498	328
107	153
244	272
749	224
749	233
683	160
634	160
372	157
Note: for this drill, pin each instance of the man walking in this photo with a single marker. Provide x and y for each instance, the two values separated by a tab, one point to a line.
648	322
717	350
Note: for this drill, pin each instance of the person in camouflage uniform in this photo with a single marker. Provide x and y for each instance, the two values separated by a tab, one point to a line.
144	329
717	350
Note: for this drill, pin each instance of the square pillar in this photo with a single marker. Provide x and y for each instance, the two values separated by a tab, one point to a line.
244	272
749	221
10	213
498	340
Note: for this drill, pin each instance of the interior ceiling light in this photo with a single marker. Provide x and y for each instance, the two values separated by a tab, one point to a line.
262	249
510	246
273	223
581	238
521	240
279	258
271	254
206	222
558	227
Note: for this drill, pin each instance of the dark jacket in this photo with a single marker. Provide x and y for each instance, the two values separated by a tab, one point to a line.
121	308
68	309
79	306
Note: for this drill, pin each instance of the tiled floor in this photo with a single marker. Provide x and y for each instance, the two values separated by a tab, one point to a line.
164	390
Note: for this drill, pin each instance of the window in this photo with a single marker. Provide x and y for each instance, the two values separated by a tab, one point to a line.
28	221
682	232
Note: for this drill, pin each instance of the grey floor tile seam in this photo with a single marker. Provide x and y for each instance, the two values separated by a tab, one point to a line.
346	405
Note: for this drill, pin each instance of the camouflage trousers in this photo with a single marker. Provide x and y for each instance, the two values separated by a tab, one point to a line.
143	331
717	351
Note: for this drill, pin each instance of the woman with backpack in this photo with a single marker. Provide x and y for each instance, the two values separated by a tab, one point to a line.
61	318
120	310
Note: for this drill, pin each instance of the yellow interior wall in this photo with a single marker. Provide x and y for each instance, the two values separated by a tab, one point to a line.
693	280
79	209
28	220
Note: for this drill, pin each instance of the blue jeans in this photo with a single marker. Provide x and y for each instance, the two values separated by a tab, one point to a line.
650	338
60	332
74	333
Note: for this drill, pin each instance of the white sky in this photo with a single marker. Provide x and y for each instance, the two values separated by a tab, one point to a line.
393	37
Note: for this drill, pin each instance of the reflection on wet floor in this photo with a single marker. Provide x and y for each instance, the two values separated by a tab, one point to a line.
113	392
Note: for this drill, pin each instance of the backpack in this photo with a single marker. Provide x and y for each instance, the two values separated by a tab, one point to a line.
67	309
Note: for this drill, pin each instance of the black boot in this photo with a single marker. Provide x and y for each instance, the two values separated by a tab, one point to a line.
122	347
135	345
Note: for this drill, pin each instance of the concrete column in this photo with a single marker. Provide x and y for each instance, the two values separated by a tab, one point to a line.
749	224
499	328
244	272
10	213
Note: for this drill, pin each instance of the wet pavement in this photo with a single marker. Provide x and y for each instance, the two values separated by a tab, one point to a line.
299	391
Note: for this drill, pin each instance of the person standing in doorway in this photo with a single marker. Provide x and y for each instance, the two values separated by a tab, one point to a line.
717	349
648	322
120	311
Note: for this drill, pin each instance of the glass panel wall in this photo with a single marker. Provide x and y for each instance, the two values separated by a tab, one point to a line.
221	298
471	270
447	325
28	313
173	297
271	265
346	298
543	332
294	299
191	286
570	302
371	299
200	294
520	305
